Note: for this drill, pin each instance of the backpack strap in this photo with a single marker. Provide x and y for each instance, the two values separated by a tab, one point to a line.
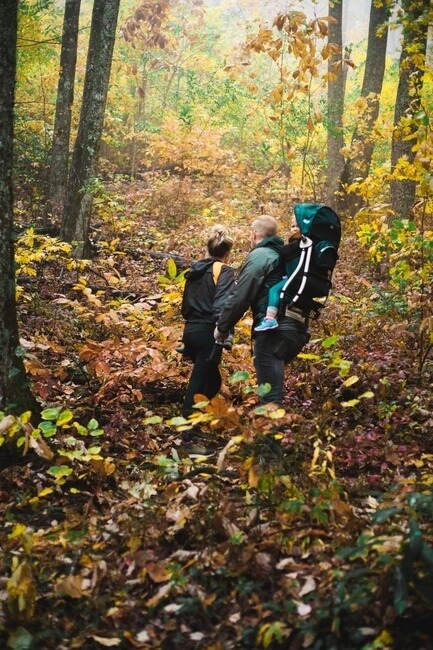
216	270
306	248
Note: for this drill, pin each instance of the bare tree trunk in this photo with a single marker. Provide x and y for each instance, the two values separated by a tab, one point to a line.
62	124
15	394
139	117
408	102
358	163
336	91
76	216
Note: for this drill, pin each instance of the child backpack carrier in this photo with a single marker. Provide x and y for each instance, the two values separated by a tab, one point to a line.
311	259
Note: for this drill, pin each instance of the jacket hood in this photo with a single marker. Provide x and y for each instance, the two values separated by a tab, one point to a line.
200	267
270	242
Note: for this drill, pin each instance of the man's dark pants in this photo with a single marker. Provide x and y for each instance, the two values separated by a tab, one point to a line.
273	350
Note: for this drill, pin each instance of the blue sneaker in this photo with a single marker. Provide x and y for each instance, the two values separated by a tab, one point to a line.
266	324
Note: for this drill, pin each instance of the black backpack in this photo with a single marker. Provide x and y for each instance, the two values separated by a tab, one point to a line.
199	291
310	260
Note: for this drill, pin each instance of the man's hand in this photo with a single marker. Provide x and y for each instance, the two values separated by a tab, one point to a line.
219	337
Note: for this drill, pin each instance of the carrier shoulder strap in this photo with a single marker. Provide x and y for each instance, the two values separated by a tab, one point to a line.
216	270
306	248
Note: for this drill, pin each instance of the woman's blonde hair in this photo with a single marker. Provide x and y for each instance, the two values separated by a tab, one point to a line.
220	242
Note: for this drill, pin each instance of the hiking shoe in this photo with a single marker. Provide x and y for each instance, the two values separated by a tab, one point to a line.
184	352
228	344
193	449
266	324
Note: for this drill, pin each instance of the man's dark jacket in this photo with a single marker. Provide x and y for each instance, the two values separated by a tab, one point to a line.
262	269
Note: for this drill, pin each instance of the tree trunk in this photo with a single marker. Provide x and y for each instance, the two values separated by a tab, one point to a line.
62	124
140	116
15	394
408	102
357	165
336	90
76	216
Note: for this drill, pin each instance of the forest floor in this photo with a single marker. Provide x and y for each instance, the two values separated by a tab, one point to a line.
309	527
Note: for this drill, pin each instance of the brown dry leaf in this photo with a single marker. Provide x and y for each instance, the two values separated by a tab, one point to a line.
310	585
157	572
231	443
178	515
224	526
41	448
6	423
192	492
303	608
263	562
71	586
99	572
106	642
253	477
160	595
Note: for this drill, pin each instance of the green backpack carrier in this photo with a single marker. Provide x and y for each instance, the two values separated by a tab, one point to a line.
310	260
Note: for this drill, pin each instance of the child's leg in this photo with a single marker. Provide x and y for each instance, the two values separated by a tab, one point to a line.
269	322
271	312
274	299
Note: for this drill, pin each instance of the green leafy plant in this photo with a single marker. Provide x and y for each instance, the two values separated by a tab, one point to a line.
398	547
330	355
72	444
405	251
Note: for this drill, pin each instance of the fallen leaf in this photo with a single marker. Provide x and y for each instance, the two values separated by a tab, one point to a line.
71	586
157	572
108	643
309	586
303	609
160	595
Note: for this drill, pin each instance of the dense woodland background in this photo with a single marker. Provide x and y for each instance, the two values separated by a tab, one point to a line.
133	127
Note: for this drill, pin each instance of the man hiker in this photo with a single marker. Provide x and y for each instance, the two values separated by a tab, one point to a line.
274	348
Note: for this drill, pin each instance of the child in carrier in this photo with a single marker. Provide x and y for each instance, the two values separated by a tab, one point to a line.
269	322
310	257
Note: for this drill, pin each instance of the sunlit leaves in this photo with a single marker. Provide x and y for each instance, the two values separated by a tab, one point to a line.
354	402
64	417
93	427
59	471
17	531
408	253
21	590
264	389
171	269
330	341
272	414
32	250
153	419
270	633
239	376
177	421
48	429
350	381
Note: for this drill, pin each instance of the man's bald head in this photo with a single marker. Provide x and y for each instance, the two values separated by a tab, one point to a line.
264	226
